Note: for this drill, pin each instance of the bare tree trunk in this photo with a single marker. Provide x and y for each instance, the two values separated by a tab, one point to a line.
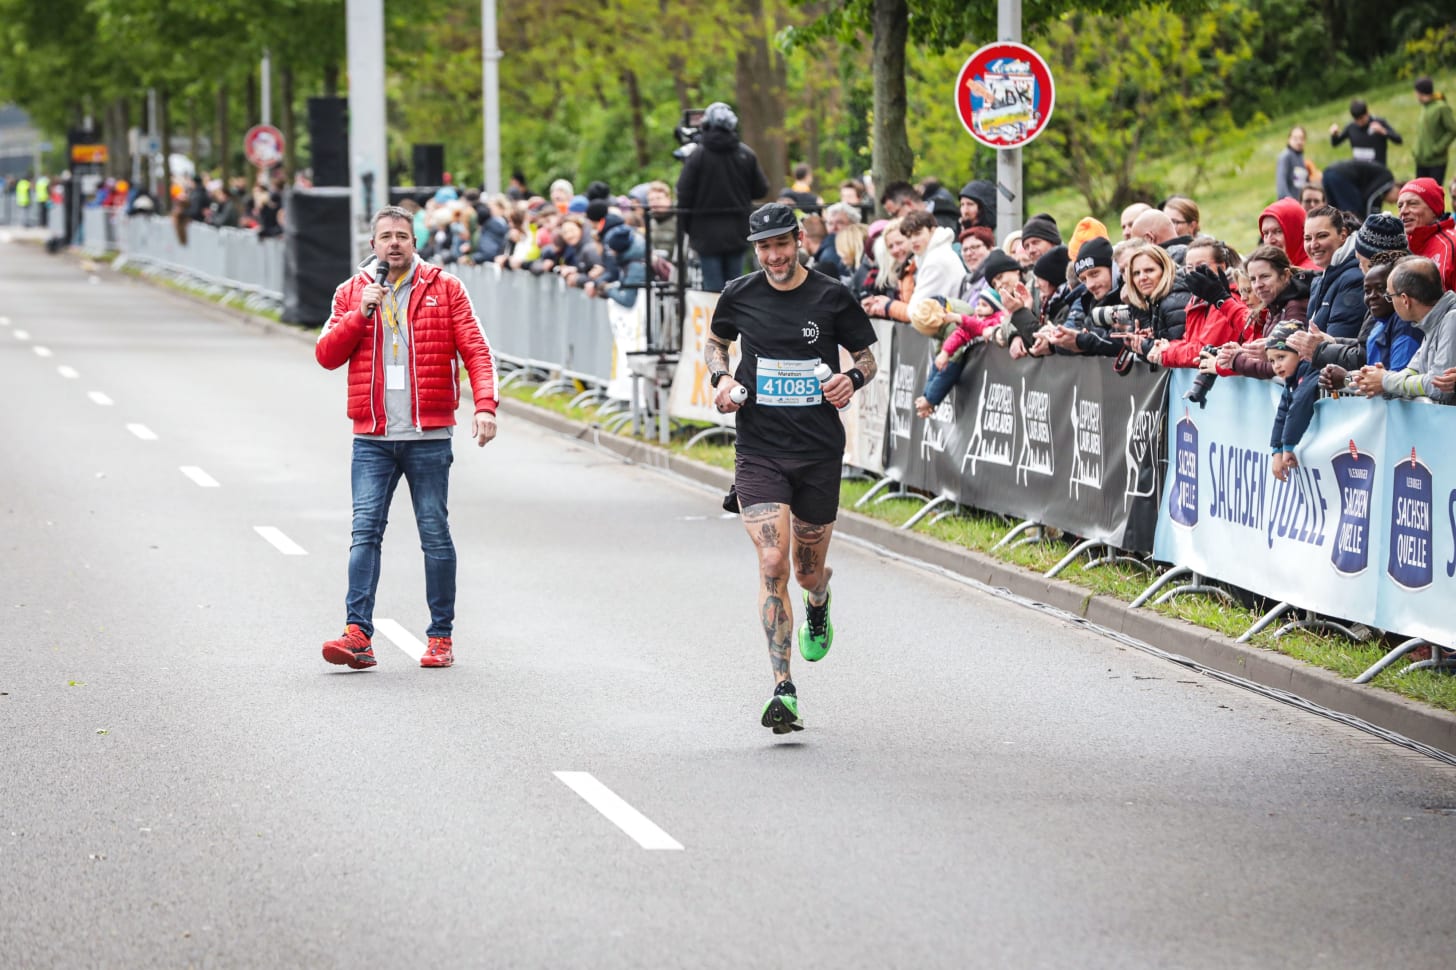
290	141
252	102
639	125
192	146
162	191
760	79
221	148
890	154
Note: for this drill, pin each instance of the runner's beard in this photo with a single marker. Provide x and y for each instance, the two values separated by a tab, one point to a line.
788	272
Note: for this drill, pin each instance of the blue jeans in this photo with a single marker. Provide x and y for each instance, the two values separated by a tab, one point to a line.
377	468
721	268
939	382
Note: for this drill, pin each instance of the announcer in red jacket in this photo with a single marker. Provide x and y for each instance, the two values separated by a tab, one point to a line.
401	340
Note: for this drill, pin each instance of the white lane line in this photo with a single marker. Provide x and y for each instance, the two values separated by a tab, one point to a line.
400	637
142	431
4	321
99	398
22	335
619	813
68	372
279	541
199	476
42	351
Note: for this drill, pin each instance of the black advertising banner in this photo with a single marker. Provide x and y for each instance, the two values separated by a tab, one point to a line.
1064	440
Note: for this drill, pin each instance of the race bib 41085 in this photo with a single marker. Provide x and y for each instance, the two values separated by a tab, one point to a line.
787	383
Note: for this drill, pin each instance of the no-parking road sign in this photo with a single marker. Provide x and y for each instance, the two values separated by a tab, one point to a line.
1004	95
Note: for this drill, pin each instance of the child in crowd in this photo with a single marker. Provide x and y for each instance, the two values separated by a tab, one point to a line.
947	321
1296	404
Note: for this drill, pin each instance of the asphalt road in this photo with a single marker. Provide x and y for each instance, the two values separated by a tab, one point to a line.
185	783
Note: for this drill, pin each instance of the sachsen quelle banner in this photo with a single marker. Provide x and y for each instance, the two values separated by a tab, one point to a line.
1064	441
1363	529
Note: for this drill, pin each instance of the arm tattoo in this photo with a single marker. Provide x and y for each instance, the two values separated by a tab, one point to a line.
715	354
865	361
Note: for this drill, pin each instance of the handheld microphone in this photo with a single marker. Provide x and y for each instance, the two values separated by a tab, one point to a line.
381	275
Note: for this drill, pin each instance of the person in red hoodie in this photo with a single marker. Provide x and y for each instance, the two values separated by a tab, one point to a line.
1215	315
1282	225
1428	230
401	340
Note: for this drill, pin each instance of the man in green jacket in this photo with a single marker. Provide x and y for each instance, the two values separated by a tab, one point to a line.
1435	131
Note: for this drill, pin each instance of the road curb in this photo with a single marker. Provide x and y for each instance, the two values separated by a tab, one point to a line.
1382	708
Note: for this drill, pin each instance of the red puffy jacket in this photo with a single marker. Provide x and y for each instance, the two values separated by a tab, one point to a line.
1206	326
1437	243
442	324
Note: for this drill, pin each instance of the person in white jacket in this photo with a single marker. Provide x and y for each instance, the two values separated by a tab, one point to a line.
939	270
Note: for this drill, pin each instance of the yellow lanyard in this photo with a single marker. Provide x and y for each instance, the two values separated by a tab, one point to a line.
391	314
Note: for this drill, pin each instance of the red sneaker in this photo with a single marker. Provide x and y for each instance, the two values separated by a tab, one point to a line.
352	649
438	653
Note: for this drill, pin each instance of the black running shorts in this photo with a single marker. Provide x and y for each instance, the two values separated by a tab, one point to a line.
809	488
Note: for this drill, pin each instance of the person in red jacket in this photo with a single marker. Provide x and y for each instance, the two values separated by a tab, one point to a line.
401	340
1214	316
1421	204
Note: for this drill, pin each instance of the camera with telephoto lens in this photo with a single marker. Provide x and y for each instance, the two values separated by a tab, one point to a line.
1118	317
1203	383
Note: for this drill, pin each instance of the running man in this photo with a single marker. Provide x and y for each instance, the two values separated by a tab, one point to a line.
790	445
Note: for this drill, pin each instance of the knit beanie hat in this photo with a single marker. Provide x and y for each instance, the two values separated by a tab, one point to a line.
991	296
1052	266
1096	251
577	204
1430	193
1382	233
1088	228
596	210
1042	226
997	263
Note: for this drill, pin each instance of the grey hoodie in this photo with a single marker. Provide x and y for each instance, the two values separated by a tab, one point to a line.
1437	353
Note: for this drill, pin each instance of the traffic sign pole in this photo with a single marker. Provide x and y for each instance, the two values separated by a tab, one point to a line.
1009	207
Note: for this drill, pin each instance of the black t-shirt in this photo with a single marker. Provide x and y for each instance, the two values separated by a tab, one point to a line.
783	336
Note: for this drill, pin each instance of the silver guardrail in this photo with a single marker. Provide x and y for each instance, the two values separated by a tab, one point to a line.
231	264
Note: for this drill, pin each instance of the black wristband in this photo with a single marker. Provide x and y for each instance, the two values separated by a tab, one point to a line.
716	376
856	377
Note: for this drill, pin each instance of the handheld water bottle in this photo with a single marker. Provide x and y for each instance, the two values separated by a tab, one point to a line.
738	395
824	372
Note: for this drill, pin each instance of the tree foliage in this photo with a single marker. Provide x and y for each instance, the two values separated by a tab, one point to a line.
1152	83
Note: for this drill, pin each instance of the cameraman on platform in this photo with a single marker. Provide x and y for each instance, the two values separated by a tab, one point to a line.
719	181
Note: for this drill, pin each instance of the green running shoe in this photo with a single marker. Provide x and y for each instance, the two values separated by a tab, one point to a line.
816	633
782	710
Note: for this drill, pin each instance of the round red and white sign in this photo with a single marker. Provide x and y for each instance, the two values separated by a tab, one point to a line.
263	146
1004	95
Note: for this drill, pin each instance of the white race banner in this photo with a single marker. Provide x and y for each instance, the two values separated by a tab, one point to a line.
692	398
629	333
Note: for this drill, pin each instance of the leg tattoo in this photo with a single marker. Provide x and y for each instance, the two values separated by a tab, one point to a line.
767	525
811	546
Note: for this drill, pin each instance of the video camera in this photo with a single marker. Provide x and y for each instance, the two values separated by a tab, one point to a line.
687	132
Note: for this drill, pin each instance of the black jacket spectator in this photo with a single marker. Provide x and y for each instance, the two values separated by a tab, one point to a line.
715	192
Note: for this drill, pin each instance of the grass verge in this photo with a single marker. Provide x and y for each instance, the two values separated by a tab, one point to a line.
981	531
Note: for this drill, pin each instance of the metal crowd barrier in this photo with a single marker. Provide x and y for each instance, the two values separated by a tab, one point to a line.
228	263
98	233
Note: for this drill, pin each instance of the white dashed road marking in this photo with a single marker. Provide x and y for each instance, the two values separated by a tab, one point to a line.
142	431
400	637
100	398
279	541
22	335
69	373
42	351
618	812
199	476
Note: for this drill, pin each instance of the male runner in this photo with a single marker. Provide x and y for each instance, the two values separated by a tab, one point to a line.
790	445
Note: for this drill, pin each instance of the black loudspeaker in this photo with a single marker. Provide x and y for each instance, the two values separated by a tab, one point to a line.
328	134
317	253
429	164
